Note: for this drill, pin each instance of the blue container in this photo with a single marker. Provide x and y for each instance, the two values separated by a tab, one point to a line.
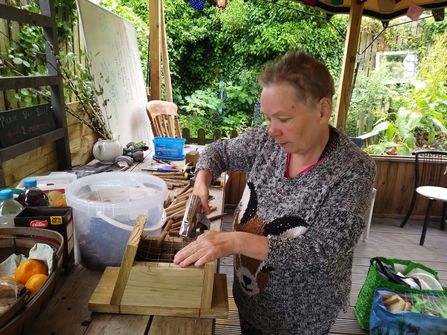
169	148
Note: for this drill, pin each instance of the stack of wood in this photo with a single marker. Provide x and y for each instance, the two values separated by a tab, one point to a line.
396	303
175	210
173	179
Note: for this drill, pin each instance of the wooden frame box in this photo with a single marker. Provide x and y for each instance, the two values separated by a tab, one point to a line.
149	283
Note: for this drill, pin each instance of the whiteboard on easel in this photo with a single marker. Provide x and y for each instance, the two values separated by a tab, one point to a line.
111	41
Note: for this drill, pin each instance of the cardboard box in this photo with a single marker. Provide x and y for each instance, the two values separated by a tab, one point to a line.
59	219
54	186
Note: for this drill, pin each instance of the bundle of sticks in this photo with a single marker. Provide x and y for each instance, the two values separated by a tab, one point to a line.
173	179
175	206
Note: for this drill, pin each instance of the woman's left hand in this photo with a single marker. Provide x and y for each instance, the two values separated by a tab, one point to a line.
207	247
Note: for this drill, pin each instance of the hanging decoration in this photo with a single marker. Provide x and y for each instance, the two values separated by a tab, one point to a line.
221	4
414	11
197	4
310	2
438	14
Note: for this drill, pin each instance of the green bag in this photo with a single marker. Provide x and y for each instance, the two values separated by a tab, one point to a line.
375	280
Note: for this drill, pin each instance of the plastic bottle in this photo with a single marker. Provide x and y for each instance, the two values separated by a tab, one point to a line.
32	195
9	208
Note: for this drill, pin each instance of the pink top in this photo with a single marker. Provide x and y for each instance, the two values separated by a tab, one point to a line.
306	169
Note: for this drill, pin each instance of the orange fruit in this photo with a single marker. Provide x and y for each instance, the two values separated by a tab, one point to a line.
28	268
35	282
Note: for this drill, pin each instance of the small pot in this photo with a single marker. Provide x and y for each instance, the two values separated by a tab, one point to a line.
107	150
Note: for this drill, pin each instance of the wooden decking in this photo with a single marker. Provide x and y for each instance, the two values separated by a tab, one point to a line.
386	239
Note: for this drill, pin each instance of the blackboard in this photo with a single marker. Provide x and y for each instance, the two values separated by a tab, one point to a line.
112	43
18	125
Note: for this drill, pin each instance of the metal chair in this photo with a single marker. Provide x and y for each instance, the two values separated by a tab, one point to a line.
164	118
429	167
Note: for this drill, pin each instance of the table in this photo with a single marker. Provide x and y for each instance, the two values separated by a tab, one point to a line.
67	313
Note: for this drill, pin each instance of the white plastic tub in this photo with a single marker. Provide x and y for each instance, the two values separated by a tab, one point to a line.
105	207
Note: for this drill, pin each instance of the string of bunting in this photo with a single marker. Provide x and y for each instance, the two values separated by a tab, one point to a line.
414	11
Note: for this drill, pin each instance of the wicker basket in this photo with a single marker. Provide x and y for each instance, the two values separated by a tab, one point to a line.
19	319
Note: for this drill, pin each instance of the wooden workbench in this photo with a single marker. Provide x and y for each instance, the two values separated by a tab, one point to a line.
67	313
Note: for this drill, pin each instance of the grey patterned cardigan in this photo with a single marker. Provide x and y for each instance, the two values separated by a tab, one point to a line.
313	222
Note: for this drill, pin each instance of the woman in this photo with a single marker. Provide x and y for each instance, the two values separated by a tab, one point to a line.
303	209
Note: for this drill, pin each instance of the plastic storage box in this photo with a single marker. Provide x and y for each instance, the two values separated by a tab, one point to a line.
169	148
105	207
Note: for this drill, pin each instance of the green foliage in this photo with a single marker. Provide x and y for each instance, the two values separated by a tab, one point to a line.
141	27
403	34
140	8
242	36
399	131
233	112
200	111
369	93
26	53
241	97
237	42
424	110
88	90
215	51
66	14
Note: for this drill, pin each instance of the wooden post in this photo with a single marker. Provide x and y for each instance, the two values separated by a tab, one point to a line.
154	49
128	259
347	72
165	56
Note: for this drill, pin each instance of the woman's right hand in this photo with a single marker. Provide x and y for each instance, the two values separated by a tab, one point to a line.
201	189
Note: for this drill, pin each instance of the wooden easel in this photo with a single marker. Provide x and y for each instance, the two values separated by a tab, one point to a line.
159	288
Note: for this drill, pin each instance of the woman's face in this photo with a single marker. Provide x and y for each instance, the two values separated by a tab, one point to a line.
295	126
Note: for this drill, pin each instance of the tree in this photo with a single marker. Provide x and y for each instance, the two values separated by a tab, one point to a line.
245	35
216	51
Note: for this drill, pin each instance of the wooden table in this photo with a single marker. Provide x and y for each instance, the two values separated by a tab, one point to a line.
67	313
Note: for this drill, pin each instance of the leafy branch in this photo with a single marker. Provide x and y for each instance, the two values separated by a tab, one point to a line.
79	82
